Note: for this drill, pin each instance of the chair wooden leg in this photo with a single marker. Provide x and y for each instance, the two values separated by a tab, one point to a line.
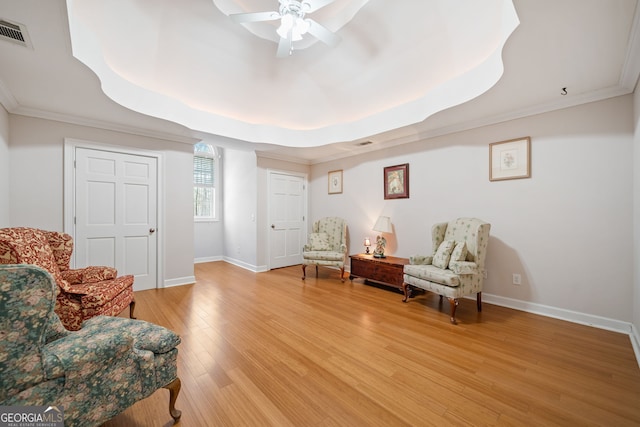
174	389
454	304
342	274
479	301
304	271
316	271
132	307
406	290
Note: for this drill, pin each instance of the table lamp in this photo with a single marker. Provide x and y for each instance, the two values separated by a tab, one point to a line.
367	243
383	225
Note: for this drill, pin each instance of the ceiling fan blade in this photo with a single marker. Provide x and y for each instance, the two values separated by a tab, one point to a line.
284	47
312	5
254	17
322	34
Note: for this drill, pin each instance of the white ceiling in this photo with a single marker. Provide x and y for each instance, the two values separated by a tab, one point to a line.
207	77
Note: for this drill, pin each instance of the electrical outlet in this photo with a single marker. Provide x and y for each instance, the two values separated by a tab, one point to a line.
517	279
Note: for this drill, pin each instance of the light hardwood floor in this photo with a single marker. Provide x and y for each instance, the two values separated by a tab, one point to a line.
269	349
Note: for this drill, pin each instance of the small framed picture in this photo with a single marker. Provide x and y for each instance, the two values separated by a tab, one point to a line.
335	182
510	159
396	182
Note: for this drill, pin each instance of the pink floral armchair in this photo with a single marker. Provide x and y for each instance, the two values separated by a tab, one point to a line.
84	292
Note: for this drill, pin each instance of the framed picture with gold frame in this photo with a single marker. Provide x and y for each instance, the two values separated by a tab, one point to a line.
335	182
510	159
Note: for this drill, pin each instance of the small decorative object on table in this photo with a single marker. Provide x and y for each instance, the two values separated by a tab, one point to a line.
367	244
383	225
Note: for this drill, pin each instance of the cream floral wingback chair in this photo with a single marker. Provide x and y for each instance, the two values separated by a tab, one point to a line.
92	374
84	292
326	245
456	267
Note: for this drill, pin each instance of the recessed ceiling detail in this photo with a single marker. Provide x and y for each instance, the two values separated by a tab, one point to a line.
395	66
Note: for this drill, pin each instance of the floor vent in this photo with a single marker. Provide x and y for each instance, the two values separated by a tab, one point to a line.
14	33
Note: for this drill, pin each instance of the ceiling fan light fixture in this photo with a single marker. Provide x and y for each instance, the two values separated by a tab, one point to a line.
286	25
294	24
302	26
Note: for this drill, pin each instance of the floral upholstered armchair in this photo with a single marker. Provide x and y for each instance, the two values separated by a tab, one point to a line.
84	292
456	267
92	374
327	245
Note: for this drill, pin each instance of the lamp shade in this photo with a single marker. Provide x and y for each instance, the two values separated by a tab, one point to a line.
367	242
383	224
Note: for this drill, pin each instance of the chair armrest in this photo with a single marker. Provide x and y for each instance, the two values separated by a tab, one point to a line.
464	267
145	335
85	351
343	248
420	260
90	274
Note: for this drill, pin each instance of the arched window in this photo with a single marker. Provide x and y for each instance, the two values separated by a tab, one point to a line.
205	181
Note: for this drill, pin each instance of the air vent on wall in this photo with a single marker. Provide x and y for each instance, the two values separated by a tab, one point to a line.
13	32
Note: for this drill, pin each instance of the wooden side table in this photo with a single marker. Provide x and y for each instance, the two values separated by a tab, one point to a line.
388	270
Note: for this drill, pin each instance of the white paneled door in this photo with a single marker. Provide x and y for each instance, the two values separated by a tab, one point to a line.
116	213
287	224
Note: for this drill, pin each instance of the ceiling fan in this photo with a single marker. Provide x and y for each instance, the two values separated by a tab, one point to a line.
293	24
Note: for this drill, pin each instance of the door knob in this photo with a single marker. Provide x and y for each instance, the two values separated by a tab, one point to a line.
152	230
273	226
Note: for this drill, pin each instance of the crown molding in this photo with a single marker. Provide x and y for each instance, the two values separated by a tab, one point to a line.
100	124
420	135
8	101
283	157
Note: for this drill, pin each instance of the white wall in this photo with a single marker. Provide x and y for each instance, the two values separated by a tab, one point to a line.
36	176
239	207
4	167
567	229
636	214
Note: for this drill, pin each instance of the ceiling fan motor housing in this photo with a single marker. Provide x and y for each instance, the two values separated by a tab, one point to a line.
293	7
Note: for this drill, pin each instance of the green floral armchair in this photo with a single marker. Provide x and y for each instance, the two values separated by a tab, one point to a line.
326	245
92	374
456	267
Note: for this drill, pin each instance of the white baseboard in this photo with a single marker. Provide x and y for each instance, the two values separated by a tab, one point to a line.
560	313
570	316
246	266
208	259
635	342
188	280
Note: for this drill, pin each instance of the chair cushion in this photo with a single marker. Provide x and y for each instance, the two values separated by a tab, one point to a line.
443	254
459	252
319	242
323	255
432	274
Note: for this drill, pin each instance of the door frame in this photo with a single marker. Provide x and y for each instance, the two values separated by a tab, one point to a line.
69	191
305	221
